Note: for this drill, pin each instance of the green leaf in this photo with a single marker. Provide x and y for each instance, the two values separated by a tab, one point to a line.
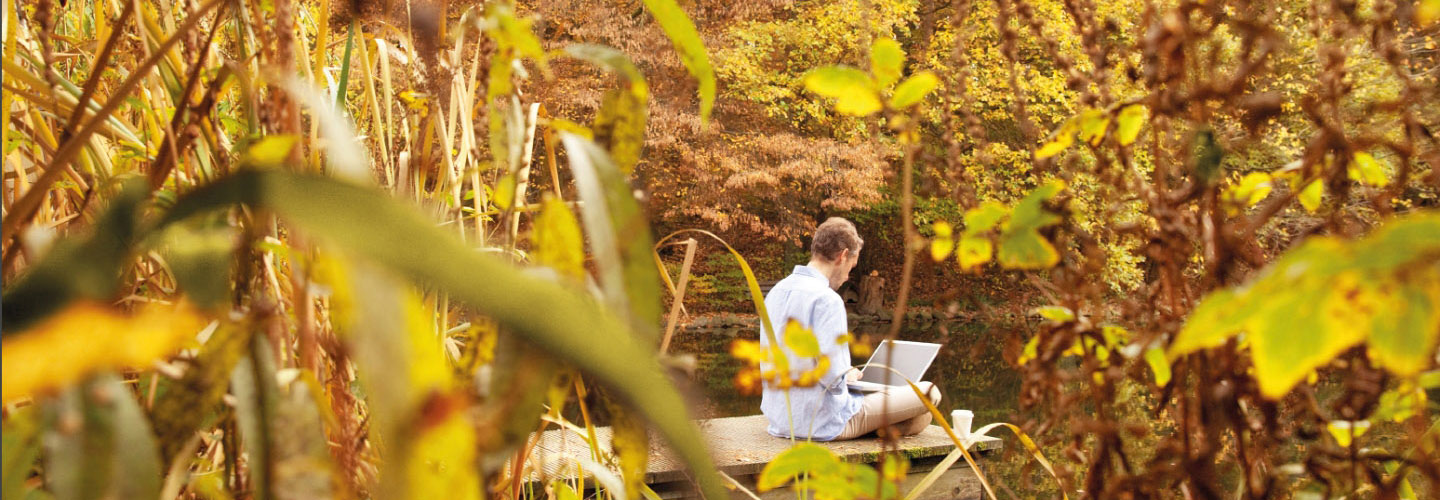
974	251
1367	170
943	242
853	90
1030	212
562	491
1027	250
1160	366
803	458
1210	324
105	450
887	60
1404	337
344	84
1311	195
687	42
984	217
914	89
1128	123
79	266
21	436
801	340
379	228
199	255
1058	314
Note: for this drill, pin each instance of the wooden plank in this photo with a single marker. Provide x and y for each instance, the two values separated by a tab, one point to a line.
740	447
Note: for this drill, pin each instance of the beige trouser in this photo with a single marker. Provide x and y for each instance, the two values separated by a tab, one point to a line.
904	411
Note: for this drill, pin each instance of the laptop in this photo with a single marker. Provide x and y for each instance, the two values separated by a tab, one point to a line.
911	359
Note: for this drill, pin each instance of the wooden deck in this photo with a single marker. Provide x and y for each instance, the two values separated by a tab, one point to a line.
742	448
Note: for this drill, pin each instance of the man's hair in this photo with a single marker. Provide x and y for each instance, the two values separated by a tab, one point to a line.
834	236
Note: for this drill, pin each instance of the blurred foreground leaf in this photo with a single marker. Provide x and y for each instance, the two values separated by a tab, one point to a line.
88	337
367	223
98	444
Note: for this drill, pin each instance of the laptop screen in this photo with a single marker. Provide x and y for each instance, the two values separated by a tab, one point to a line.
909	358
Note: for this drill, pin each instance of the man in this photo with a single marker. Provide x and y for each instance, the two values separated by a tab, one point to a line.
829	411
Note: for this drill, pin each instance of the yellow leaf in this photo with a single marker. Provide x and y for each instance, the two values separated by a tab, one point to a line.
1058	314
505	192
1128	123
1093	124
1155	357
271	150
87	337
1427	12
1061	139
914	89
558	241
1032	347
1252	189
1366	169
853	90
801	340
941	246
1311	195
1344	430
887	60
974	251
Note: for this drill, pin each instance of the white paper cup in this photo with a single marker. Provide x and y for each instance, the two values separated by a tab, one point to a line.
961	421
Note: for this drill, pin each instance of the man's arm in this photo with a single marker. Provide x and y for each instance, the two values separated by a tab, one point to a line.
830	327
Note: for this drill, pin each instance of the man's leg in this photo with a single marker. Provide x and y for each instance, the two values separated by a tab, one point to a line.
902	407
918	423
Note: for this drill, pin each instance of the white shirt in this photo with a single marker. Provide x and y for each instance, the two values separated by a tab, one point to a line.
819	412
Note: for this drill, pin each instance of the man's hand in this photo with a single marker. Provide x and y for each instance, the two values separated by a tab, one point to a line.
852	375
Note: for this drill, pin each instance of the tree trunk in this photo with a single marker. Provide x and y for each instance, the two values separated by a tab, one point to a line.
871	296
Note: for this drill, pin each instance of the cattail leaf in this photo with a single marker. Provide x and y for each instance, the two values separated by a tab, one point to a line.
81	267
98	444
21	436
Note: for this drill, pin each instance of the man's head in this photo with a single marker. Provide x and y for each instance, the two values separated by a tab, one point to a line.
836	246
